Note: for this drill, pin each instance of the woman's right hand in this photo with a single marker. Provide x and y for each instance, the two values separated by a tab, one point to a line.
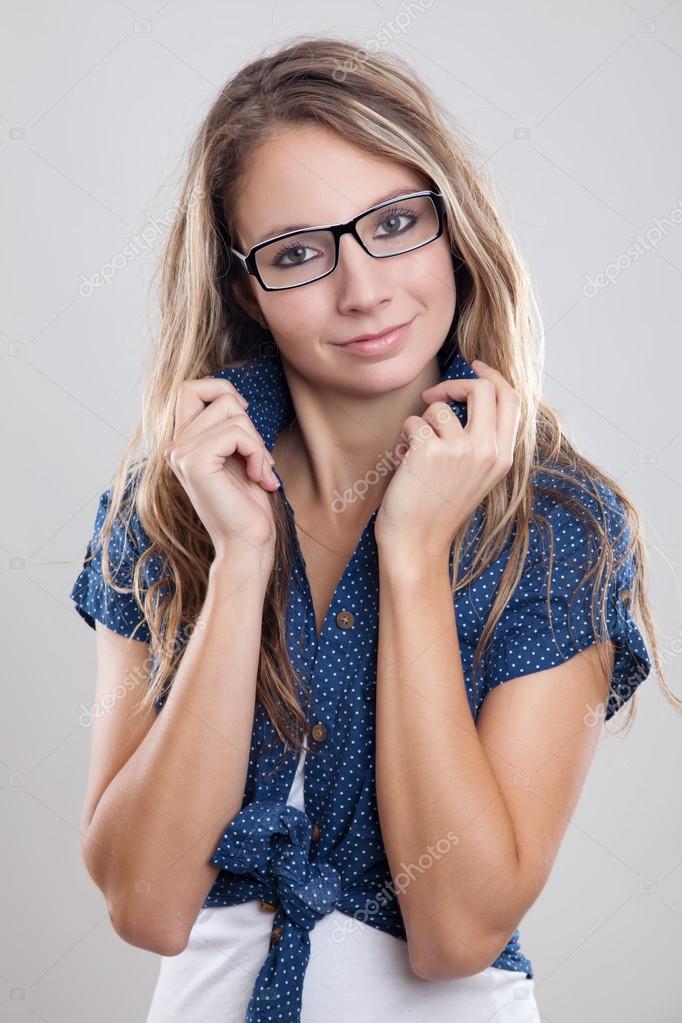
223	464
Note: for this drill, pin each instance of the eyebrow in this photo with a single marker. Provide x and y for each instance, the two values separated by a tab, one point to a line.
283	228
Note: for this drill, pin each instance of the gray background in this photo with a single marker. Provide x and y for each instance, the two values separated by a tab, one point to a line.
577	109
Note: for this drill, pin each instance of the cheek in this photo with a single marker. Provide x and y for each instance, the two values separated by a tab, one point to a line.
431	276
293	315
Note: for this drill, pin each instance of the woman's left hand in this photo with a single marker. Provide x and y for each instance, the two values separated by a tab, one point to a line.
448	469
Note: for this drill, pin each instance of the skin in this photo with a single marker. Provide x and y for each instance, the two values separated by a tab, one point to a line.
503	787
349	409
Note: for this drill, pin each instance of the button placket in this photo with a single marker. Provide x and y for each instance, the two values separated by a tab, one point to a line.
325	689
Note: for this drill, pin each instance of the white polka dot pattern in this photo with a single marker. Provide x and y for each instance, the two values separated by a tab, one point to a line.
269	851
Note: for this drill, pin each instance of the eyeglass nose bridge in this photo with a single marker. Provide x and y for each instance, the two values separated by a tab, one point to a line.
350	227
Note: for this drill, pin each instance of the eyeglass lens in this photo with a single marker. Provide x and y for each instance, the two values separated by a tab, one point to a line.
303	257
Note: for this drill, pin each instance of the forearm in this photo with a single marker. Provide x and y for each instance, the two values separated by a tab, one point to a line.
437	795
161	818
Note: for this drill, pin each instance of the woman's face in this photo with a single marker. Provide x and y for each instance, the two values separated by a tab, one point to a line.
307	176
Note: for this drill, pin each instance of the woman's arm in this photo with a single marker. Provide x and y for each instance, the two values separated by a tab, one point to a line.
151	833
473	813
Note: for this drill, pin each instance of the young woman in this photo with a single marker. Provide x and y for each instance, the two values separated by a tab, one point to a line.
382	666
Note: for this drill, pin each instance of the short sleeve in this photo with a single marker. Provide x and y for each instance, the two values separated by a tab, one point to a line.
94	598
527	638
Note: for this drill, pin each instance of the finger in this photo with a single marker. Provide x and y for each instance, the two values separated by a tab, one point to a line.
508	410
209	447
194	395
448	390
481	401
442	419
482	423
221	441
219	411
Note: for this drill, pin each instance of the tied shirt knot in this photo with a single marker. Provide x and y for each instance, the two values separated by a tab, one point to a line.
270	842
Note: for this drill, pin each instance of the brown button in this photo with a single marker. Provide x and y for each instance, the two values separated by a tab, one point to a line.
315	831
625	597
276	935
345	619
319	732
268	906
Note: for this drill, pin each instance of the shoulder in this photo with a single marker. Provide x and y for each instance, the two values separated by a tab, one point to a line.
127	532
574	518
574	589
110	598
577	512
128	539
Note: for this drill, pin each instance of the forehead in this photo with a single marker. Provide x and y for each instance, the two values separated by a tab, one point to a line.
310	175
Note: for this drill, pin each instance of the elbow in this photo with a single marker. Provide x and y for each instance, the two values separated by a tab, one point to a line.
141	931
453	945
443	967
92	860
437	963
140	934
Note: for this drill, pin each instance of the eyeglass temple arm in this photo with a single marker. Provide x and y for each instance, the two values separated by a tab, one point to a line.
240	255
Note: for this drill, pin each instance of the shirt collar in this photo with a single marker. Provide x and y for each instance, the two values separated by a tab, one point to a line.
262	381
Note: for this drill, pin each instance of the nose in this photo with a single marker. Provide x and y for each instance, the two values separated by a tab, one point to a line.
362	280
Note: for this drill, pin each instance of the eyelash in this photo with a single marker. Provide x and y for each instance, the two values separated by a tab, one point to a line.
391	211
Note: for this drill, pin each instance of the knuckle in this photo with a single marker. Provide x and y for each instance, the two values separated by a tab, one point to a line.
185	463
242	419
488	454
461	451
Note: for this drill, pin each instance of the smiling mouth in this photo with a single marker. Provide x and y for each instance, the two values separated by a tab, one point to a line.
375	337
376	345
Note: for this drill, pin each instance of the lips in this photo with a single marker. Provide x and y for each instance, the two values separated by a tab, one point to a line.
378	344
375	337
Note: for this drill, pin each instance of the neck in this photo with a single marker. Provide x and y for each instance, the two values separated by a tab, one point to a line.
340	448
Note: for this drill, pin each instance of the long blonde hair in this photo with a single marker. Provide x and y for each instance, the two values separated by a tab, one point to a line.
379	103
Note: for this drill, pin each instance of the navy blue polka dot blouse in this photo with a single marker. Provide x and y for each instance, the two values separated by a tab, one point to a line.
331	855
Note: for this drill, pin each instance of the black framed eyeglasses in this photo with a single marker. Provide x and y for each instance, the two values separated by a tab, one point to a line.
280	263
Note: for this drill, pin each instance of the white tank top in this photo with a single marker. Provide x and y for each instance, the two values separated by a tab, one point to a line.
356	972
